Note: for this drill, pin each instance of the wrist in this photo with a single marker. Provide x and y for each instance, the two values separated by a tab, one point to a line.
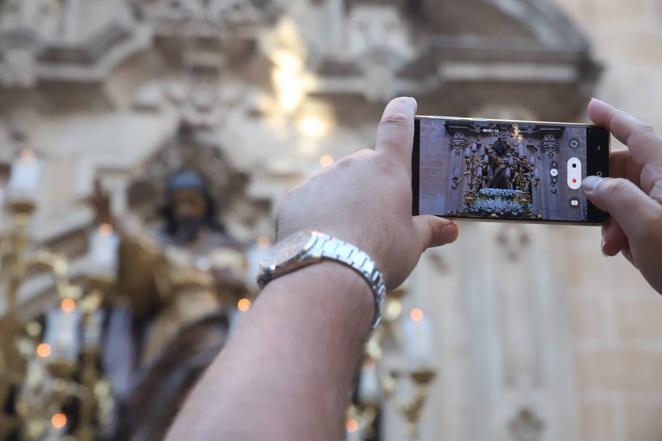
331	289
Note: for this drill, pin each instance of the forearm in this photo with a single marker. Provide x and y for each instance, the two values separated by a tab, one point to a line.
287	372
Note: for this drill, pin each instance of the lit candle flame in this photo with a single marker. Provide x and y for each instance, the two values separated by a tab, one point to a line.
416	314
352	425
326	161
27	155
244	305
263	241
68	305
106	229
43	350
59	420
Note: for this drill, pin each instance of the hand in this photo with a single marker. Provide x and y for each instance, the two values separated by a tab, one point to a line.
633	196
366	200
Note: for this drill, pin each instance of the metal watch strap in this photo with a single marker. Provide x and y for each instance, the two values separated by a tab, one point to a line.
330	248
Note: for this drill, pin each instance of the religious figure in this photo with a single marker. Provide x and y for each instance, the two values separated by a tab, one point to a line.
180	284
188	269
500	162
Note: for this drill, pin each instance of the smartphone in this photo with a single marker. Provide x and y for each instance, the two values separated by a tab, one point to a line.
507	170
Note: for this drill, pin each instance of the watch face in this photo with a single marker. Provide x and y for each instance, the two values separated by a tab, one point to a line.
286	250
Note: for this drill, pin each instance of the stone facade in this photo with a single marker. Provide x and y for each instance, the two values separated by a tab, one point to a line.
539	337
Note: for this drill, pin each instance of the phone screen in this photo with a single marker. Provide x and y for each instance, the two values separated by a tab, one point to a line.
509	170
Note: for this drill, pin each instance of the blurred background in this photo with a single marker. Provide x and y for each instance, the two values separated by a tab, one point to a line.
144	146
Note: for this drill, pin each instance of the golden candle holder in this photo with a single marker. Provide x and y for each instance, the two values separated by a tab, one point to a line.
35	382
412	411
362	414
361	418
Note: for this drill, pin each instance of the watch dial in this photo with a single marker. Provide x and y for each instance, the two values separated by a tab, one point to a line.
286	250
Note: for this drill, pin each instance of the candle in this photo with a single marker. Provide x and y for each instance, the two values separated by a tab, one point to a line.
419	337
62	324
353	430
25	176
369	390
92	336
35	375
102	253
354	436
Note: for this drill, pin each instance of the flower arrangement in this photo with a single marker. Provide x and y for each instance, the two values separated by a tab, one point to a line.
499	193
499	207
499	202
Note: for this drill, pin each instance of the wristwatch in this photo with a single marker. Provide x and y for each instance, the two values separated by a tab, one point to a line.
308	247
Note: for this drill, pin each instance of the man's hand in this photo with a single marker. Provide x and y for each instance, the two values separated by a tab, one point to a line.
633	196
309	327
366	199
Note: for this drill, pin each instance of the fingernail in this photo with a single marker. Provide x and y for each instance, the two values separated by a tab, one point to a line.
591	183
599	102
450	231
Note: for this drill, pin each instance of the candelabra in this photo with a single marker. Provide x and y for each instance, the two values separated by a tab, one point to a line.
45	371
412	411
380	380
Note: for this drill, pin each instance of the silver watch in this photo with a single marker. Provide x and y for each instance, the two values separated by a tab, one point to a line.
309	247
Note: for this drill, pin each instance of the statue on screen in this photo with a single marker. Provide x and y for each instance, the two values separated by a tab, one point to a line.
500	159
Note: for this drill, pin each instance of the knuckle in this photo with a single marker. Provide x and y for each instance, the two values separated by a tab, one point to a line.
644	133
650	230
616	185
365	152
354	157
396	119
345	161
646	129
386	164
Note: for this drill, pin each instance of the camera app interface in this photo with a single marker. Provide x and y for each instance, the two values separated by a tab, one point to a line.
502	170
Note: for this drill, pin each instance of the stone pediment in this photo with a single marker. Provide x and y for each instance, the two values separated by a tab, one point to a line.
48	40
214	19
384	48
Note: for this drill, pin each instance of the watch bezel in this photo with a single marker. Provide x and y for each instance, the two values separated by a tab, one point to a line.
301	242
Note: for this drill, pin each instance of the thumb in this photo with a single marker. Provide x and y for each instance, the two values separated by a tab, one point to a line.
627	204
435	231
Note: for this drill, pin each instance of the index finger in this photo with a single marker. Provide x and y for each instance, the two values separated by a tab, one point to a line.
642	141
395	136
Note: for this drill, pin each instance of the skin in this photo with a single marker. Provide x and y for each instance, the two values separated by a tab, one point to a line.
287	371
188	204
633	196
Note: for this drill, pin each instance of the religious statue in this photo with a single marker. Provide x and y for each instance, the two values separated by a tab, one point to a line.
500	161
188	269
180	284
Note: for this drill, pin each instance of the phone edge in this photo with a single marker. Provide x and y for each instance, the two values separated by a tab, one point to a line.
416	171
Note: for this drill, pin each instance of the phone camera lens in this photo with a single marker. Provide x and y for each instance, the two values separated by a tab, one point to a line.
574	165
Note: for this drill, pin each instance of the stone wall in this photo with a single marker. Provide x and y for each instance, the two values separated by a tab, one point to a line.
617	318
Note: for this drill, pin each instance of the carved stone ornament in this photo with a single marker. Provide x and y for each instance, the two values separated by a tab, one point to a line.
190	149
550	144
526	426
458	143
17	68
208	17
513	241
